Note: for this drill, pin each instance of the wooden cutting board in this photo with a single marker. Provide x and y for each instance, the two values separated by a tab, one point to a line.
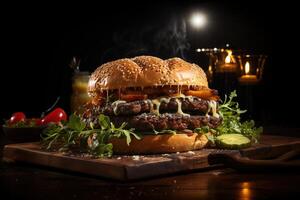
136	167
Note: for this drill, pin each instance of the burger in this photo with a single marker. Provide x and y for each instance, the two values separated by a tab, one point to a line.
163	100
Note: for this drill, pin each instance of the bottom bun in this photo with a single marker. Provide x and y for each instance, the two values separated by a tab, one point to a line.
166	143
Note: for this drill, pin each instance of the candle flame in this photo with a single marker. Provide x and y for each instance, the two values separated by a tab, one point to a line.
247	67
228	57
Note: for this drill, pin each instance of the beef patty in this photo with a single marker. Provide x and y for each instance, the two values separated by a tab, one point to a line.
150	122
195	106
137	115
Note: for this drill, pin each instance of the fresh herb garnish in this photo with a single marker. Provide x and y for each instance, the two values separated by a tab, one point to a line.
76	134
230	112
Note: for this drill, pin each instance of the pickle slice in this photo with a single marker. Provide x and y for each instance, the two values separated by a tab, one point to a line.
232	141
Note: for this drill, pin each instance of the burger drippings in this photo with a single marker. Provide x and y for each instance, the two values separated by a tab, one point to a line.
179	109
179	105
183	100
115	106
212	107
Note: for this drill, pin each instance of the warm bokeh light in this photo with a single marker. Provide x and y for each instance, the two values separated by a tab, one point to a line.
246	191
198	20
247	67
228	57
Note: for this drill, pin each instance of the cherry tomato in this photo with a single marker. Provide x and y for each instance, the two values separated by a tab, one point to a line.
17	117
55	116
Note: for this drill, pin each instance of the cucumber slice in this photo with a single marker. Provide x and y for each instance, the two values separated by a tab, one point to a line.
232	141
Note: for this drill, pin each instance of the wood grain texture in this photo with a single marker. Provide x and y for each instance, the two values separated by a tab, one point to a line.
143	166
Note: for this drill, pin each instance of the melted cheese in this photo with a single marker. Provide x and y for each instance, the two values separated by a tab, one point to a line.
190	98
180	95
115	106
179	109
212	106
157	103
165	100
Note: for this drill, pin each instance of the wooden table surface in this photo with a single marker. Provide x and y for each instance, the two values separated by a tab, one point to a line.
31	182
24	182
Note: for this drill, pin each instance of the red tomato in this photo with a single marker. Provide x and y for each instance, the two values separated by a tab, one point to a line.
55	116
17	117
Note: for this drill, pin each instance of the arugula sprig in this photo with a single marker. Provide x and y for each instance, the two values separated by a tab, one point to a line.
230	112
230	108
77	134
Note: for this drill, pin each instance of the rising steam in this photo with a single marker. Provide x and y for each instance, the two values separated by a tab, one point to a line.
165	40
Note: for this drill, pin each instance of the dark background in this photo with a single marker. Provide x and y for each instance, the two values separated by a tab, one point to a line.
38	42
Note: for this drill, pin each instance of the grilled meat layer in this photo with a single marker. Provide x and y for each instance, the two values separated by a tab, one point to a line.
194	106
150	122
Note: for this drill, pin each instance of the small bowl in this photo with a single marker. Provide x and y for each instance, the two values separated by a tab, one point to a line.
23	134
